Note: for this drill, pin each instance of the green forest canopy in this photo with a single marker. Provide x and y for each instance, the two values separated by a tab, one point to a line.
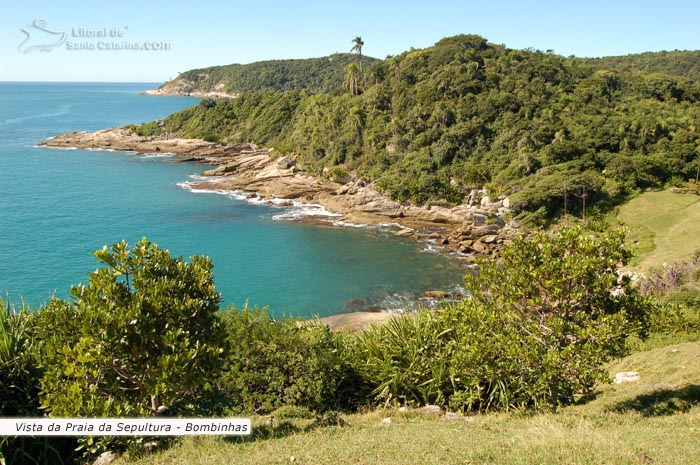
559	135
323	74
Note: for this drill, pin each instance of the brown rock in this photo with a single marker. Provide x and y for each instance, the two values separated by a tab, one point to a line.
435	295
404	233
485	230
480	247
489	239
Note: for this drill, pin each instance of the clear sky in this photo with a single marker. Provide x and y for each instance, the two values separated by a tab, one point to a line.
195	34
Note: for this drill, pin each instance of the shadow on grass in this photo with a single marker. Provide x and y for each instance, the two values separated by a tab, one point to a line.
662	402
275	429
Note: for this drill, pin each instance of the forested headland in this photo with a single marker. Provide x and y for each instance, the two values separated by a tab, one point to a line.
557	134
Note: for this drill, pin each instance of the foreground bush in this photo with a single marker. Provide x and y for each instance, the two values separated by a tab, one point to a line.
141	338
275	363
19	391
18	370
406	360
676	287
536	332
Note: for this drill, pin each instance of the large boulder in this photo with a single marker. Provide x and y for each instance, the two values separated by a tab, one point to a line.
285	162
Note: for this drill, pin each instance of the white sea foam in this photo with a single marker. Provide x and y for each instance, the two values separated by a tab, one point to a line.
345	224
198	178
158	155
401	302
293	210
298	211
233	194
431	247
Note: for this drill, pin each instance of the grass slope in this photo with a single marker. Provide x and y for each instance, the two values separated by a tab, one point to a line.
655	420
663	227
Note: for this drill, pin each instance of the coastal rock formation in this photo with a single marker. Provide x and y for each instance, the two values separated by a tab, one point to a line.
184	88
475	228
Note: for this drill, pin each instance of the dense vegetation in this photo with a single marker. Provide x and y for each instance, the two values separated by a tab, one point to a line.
682	63
144	337
558	134
324	74
536	331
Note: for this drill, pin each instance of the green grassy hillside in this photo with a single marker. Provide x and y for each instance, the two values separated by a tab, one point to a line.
655	420
663	227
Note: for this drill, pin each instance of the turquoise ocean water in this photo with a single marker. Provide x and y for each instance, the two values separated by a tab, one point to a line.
57	206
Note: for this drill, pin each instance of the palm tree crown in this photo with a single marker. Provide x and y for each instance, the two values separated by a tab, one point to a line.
358	48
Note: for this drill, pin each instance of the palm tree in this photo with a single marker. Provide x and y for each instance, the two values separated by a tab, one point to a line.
352	75
358	48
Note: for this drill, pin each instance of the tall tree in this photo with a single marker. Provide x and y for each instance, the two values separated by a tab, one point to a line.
358	48
352	78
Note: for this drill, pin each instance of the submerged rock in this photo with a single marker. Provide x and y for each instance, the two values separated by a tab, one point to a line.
435	295
355	305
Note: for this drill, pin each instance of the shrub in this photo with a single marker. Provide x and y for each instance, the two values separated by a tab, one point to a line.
19	391
275	363
141	338
539	327
406	361
18	370
672	317
536	332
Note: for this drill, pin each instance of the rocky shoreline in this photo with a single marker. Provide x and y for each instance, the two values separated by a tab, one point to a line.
183	88
473	229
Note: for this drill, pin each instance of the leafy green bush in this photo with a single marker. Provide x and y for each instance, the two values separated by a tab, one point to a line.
19	391
141	338
551	315
275	363
536	332
673	317
676	288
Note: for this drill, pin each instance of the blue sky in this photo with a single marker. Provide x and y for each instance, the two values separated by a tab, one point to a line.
207	33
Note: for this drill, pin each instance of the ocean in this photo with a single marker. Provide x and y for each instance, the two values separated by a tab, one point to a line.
58	206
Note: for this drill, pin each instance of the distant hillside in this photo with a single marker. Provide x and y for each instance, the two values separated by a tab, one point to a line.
324	74
677	63
558	135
